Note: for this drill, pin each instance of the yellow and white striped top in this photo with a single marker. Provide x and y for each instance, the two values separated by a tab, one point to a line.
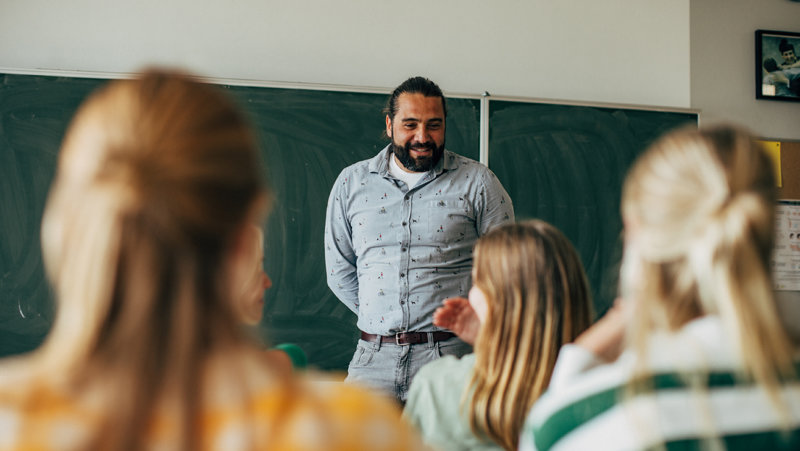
307	416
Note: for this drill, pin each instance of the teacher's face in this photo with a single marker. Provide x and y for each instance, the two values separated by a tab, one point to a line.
417	131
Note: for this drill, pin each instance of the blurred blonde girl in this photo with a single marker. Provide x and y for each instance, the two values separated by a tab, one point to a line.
158	181
704	363
530	296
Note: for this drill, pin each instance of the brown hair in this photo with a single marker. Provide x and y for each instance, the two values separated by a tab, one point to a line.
538	299
156	178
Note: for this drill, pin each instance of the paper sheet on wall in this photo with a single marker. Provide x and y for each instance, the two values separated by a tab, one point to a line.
786	258
773	149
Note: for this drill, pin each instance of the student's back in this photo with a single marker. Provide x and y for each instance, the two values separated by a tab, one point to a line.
530	296
158	180
270	413
705	363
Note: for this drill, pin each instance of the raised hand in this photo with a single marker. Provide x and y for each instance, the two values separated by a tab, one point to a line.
457	315
605	338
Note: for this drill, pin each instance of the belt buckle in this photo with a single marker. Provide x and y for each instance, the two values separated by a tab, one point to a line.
397	341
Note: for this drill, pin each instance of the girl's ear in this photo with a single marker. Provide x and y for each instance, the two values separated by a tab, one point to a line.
250	236
241	255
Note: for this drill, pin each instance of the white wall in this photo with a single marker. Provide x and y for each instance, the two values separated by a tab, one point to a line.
617	51
723	59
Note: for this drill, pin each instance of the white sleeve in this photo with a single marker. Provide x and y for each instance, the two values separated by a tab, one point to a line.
573	360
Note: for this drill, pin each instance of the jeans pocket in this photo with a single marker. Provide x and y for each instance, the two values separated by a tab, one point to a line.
362	356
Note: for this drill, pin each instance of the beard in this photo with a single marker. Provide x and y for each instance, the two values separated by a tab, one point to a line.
418	164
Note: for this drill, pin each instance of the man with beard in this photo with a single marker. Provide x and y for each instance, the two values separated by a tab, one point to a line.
399	233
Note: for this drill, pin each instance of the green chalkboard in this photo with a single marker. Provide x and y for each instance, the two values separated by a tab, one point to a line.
307	137
566	164
34	113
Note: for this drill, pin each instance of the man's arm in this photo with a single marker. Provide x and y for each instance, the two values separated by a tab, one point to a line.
494	206
600	344
777	77
340	258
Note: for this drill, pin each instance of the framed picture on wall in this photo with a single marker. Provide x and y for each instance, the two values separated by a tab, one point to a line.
777	65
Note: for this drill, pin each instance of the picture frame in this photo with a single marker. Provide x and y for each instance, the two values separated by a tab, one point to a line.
777	65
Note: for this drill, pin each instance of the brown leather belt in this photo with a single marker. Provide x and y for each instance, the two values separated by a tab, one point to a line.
407	338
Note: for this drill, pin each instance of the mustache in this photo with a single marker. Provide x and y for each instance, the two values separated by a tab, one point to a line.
423	146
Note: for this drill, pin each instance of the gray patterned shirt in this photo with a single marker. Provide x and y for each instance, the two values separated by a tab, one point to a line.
393	254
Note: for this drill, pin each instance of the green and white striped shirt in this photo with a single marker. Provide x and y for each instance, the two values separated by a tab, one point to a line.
694	398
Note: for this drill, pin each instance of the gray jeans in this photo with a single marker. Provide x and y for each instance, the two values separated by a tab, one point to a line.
389	367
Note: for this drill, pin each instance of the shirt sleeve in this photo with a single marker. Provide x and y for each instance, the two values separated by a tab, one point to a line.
433	404
526	442
417	394
340	257
494	204
421	408
572	361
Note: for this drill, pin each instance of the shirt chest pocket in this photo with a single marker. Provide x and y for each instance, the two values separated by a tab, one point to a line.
450	220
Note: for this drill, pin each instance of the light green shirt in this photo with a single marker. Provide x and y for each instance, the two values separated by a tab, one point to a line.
434	405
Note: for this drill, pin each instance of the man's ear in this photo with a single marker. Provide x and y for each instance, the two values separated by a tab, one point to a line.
388	126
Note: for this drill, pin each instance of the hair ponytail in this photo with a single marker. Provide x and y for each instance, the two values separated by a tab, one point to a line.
156	178
702	208
738	288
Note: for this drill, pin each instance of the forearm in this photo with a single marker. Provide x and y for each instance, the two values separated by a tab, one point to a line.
340	258
573	360
345	287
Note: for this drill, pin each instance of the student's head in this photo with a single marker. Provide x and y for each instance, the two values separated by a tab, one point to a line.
696	203
698	208
531	293
770	65
250	278
415	122
157	180
787	52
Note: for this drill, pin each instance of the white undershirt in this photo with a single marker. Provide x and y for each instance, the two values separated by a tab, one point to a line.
410	178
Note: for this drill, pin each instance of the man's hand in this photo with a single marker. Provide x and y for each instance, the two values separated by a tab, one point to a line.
457	315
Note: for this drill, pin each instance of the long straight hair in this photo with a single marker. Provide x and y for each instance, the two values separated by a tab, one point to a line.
538	300
702	208
156	177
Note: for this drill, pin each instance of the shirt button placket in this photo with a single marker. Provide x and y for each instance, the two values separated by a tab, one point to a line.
405	259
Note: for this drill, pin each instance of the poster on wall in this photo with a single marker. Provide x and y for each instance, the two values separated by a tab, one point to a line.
777	65
786	257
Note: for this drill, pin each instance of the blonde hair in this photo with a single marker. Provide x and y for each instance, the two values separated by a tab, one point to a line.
156	178
538	299
701	204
